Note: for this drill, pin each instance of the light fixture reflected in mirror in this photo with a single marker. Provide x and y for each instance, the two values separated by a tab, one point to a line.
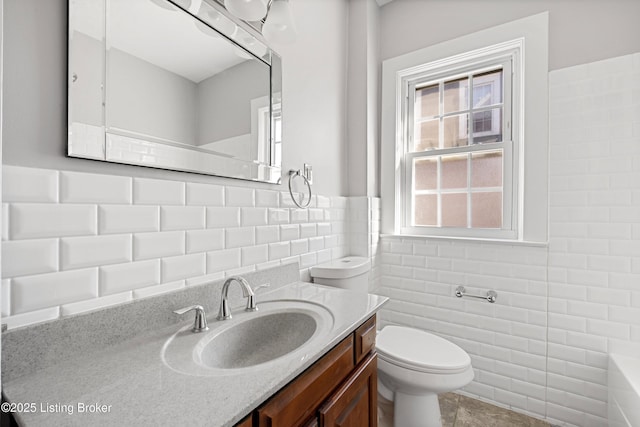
252	45
241	53
204	28
222	23
185	4
164	4
279	27
249	10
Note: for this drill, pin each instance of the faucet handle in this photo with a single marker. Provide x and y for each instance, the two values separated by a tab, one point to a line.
264	285
200	323
251	300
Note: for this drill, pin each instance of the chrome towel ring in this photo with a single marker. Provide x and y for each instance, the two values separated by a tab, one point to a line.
292	174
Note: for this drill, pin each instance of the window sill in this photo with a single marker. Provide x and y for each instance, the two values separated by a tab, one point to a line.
467	239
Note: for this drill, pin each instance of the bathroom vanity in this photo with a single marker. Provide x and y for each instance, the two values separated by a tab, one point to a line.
339	388
171	376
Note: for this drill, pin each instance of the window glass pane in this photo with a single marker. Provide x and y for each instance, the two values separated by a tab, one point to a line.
487	89
426	135
425	174
278	129
427	101
456	95
456	131
454	171
482	121
454	210
486	169
462	187
487	126
426	209
486	210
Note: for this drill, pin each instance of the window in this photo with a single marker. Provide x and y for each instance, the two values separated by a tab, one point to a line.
459	146
457	157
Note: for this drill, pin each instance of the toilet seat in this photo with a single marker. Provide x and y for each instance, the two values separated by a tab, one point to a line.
420	351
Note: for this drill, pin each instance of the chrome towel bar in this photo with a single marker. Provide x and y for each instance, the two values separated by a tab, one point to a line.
462	292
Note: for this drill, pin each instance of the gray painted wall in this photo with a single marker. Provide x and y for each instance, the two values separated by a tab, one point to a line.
87	64
363	98
147	99
580	31
227	113
314	84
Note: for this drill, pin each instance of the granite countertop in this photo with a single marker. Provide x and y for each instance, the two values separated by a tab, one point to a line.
129	384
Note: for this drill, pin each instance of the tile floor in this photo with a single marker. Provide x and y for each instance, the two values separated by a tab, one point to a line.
462	411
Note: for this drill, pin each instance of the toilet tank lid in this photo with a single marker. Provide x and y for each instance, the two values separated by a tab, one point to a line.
342	268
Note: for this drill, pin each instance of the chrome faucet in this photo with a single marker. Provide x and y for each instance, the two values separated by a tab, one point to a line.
225	312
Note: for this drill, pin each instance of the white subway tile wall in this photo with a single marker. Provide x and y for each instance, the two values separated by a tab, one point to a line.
38	220
24	257
129	276
204	194
158	192
74	242
594	246
92	251
168	243
506	340
30	293
80	188
590	269
182	218
118	218
30	185
205	240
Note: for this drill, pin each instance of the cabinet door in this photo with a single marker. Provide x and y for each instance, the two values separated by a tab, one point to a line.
313	422
354	404
298	402
247	422
365	338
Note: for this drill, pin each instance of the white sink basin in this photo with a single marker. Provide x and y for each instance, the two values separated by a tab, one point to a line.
278	332
257	340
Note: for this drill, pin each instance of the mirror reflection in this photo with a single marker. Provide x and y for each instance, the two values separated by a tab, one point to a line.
167	90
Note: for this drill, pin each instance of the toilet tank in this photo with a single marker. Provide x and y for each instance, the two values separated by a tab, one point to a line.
348	273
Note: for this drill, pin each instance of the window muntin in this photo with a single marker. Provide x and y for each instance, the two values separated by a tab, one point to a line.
458	152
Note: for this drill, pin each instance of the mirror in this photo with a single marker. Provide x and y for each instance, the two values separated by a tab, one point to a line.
175	85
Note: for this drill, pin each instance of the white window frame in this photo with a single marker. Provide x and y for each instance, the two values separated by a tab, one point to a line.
507	57
533	160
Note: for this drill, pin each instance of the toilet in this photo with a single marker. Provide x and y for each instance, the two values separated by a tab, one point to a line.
350	272
414	366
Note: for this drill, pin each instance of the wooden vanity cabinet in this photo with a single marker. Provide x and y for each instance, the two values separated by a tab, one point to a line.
340	389
247	422
298	401
355	403
365	339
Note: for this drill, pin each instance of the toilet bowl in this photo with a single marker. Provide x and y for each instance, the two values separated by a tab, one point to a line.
413	365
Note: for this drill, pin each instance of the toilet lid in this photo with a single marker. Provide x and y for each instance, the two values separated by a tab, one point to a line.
420	350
